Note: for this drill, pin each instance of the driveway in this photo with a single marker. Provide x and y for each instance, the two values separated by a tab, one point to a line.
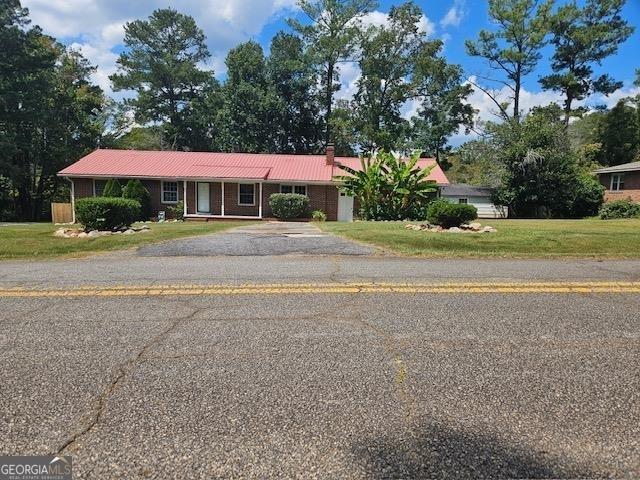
267	238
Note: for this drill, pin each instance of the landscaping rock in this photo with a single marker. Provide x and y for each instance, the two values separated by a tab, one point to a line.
475	226
130	231
61	233
83	235
455	230
94	234
488	229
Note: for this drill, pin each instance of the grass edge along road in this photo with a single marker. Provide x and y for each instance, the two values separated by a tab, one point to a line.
36	240
326	288
589	238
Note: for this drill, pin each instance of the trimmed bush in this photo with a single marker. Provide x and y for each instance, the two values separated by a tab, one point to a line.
447	214
134	190
106	213
620	209
319	216
112	188
289	205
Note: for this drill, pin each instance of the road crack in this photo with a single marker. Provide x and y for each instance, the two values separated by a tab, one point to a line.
123	370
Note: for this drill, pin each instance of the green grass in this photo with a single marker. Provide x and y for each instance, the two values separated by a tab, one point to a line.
34	241
515	239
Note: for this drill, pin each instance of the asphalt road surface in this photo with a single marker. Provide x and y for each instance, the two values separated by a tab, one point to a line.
322	367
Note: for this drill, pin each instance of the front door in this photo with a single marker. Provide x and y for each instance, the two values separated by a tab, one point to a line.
204	205
345	208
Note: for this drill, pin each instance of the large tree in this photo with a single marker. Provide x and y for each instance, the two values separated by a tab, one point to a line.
331	38
513	48
619	135
387	64
49	113
249	104
443	102
583	37
297	128
542	177
160	64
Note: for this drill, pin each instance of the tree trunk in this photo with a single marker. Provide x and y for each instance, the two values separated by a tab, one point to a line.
516	96
329	101
567	110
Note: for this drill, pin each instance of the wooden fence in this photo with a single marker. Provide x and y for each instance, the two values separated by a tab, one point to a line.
61	213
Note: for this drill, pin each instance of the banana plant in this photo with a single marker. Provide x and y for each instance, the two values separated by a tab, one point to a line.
389	187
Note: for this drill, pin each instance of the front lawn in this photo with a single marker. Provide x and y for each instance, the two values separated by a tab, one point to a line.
515	239
36	240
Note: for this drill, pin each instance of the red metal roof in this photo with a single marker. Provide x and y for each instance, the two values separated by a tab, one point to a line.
210	165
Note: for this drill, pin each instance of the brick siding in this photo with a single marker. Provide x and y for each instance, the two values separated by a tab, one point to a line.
321	197
82	187
631	187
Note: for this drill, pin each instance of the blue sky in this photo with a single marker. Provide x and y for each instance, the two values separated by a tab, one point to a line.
95	27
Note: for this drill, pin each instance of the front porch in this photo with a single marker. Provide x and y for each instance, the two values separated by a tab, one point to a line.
218	199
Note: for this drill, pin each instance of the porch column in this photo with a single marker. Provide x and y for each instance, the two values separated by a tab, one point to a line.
184	196
222	205
260	207
73	200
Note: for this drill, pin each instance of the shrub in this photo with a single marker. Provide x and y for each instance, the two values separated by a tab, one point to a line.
447	214
319	216
112	188
134	190
177	211
106	213
289	205
620	209
589	195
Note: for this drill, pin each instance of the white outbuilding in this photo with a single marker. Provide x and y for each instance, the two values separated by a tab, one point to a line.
479	197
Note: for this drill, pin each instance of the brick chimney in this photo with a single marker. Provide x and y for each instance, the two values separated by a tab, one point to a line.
331	153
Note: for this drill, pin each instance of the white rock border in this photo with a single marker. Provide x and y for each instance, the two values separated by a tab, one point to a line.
474	227
79	233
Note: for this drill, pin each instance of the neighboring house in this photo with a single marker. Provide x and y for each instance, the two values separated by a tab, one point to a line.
223	185
621	182
479	197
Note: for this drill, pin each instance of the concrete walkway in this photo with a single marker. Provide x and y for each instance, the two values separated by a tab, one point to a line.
267	238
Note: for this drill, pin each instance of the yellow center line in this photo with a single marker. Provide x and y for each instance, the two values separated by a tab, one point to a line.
325	288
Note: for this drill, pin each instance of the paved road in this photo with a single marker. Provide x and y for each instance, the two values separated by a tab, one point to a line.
268	238
322	384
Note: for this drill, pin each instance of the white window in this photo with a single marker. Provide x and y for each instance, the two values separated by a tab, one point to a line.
98	187
246	194
299	189
463	200
169	192
617	182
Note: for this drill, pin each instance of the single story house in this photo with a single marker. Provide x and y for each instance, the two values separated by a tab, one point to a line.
621	182
223	185
479	197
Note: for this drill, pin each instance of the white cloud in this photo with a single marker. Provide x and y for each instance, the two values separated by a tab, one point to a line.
454	15
96	27
380	19
611	100
426	26
349	76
